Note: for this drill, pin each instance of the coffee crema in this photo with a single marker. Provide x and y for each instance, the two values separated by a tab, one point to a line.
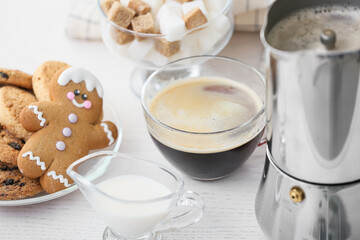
205	105
202	107
301	29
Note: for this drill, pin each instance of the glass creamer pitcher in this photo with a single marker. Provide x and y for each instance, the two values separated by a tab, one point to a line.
136	198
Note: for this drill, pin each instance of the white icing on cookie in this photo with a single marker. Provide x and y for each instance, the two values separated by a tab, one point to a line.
60	145
86	104
61	178
78	75
108	132
66	132
72	118
39	114
37	159
76	104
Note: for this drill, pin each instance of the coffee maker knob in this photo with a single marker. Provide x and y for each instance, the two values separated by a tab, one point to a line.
296	194
328	38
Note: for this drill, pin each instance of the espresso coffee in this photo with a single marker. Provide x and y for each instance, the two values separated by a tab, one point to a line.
205	116
208	166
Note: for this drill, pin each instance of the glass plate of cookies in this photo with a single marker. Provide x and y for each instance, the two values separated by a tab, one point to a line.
11	176
47	121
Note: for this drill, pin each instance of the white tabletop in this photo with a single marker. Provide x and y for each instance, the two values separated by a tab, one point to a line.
32	32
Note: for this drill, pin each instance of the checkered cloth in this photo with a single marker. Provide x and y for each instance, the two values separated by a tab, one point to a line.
83	21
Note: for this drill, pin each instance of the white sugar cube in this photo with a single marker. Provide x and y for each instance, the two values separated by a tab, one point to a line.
188	6
190	46
215	5
207	38
173	27
188	52
212	14
222	24
139	49
155	5
170	8
170	21
125	2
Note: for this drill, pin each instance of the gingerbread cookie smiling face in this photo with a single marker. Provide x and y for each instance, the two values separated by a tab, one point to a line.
66	128
85	96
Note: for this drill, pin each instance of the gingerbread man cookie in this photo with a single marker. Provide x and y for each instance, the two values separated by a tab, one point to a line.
65	129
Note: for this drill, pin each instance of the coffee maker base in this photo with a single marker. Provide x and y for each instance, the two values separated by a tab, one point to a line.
288	208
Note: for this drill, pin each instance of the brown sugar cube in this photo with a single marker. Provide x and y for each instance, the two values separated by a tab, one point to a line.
167	48
106	5
140	7
194	18
120	14
143	23
122	37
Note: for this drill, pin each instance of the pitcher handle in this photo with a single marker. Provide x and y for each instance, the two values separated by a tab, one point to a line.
189	210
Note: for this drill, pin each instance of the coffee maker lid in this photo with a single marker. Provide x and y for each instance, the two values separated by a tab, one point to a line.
323	26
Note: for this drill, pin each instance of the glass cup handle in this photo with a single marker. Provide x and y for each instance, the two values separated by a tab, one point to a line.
194	210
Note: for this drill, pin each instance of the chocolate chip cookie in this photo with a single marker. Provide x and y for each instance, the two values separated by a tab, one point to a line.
42	76
16	78
10	147
14	185
12	101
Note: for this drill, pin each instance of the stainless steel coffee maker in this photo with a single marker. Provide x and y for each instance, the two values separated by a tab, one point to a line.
310	188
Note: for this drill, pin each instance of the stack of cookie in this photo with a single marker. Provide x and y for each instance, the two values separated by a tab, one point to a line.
48	121
15	94
17	90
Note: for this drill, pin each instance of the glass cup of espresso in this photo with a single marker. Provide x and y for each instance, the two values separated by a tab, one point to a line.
206	114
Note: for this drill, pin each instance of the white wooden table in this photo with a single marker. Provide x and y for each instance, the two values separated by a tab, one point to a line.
32	32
